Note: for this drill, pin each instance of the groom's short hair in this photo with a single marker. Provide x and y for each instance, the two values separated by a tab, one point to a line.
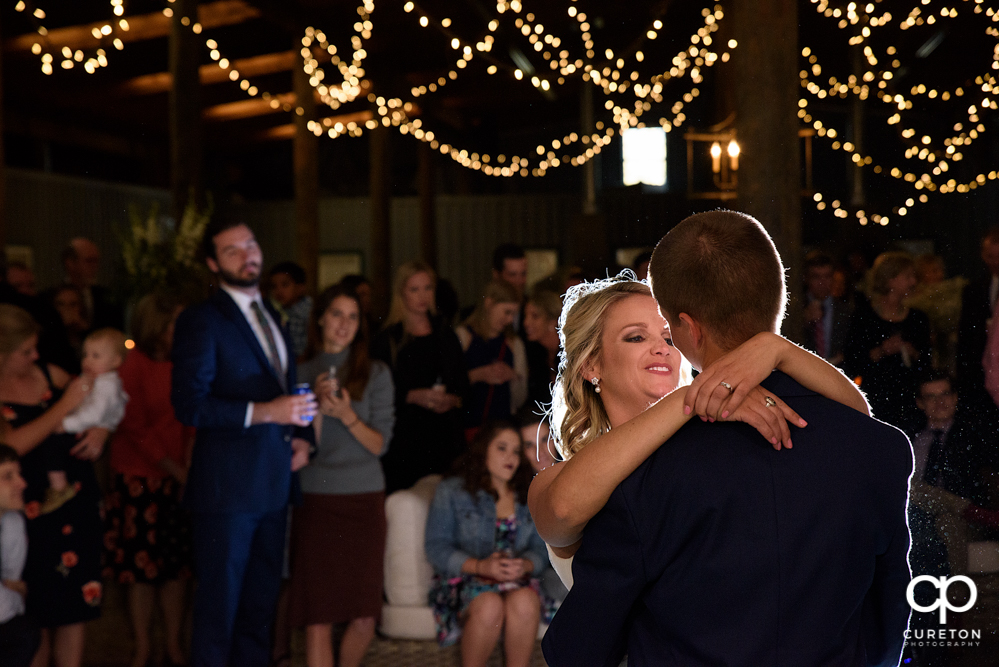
722	269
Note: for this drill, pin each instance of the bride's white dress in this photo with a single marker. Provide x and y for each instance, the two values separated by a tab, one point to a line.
562	567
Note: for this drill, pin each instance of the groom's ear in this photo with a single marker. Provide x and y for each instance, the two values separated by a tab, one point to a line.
695	330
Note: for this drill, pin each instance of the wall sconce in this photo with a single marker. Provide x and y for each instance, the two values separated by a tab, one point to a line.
724	152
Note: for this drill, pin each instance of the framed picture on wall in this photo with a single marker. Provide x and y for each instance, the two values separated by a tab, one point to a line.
333	266
541	262
20	254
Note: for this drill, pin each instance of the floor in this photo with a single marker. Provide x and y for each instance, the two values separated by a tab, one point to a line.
109	642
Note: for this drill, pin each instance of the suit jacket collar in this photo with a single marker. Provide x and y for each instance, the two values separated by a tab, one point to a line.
231	311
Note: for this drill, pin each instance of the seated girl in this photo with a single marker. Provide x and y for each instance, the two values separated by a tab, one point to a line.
485	551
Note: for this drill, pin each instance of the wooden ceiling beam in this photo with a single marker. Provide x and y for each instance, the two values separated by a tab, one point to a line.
151	84
141	27
248	108
285	132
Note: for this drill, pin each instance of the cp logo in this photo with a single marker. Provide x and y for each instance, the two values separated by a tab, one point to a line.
942	583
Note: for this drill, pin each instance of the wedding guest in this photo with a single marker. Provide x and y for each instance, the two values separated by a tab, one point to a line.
63	568
827	319
494	355
541	315
52	344
103	354
510	266
233	369
977	304
428	372
485	551
81	261
67	301
289	289
22	278
19	635
342	516
940	298
361	286
889	343
148	538
948	454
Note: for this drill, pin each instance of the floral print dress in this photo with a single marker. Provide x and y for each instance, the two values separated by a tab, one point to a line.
63	568
450	597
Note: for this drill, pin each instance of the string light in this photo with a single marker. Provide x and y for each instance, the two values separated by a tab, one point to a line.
69	60
935	157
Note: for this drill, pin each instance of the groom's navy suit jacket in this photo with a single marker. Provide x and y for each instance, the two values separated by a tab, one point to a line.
719	550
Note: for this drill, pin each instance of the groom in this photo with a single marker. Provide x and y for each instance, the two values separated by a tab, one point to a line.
719	550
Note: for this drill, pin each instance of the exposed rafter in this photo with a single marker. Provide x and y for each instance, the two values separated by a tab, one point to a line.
151	84
284	132
145	26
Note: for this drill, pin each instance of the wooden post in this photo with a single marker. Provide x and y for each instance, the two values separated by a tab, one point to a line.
185	107
381	266
857	125
766	104
589	173
3	176
306	165
428	204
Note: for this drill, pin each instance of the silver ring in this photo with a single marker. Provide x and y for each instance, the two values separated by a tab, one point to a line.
730	388
769	400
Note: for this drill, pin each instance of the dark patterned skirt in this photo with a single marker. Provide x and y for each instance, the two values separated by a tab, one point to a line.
64	562
148	534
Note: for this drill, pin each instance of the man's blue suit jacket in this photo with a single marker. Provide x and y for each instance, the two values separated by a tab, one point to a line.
719	550
218	366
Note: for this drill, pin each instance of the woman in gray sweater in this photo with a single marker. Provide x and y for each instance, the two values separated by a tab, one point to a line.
338	534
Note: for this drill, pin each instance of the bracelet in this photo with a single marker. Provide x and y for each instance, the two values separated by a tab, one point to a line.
352	424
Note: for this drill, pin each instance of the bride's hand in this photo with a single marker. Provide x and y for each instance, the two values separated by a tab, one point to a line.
742	369
770	420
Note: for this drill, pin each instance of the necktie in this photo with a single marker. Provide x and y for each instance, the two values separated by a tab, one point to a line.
935	459
272	351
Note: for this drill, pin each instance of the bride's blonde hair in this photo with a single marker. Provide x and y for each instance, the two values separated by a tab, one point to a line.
577	413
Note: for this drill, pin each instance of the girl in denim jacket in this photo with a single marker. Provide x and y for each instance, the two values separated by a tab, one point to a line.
486	552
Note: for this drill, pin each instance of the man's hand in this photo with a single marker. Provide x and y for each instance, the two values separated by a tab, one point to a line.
91	444
299	454
294	410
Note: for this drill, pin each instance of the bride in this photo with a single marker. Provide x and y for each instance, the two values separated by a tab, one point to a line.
623	389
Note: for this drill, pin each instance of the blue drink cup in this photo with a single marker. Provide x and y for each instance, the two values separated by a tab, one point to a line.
301	389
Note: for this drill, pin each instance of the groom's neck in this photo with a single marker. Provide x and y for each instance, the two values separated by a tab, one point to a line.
711	352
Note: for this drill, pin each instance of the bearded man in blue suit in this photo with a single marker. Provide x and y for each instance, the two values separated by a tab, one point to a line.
233	367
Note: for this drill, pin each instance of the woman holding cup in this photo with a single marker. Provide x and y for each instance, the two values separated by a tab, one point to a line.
338	533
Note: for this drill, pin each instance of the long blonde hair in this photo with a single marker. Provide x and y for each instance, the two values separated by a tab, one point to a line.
16	326
495	292
577	414
397	309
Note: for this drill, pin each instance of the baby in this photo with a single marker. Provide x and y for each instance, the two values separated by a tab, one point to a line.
103	353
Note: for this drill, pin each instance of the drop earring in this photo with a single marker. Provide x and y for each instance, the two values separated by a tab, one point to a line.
596	384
